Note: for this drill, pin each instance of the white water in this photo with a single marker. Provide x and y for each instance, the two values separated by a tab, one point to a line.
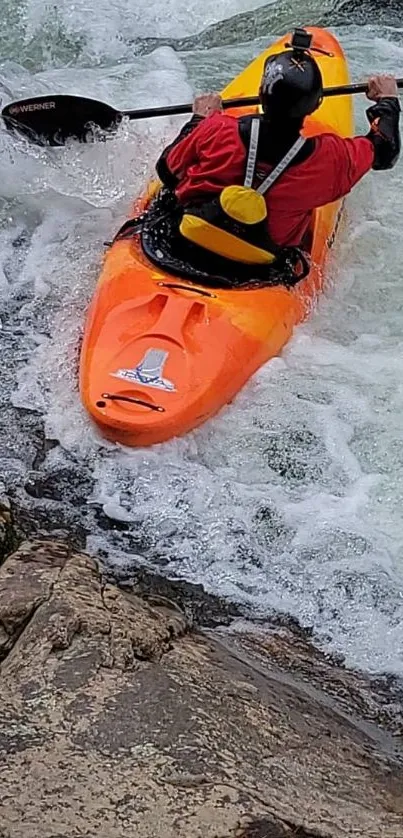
108	23
289	500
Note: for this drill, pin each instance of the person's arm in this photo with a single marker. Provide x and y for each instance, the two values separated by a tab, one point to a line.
163	168
181	153
350	159
384	119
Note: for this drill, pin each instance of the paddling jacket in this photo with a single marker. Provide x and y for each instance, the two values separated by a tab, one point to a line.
210	153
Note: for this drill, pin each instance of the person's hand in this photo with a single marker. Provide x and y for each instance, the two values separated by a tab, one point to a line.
207	103
380	86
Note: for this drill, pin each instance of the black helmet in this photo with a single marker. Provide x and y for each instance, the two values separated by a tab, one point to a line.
291	86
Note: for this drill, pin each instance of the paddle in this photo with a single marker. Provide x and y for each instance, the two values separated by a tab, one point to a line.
51	120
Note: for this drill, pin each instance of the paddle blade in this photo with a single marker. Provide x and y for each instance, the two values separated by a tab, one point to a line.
51	120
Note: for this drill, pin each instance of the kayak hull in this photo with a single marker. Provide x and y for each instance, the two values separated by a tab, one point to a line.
160	354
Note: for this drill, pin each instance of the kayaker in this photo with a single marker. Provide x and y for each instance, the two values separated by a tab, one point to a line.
211	153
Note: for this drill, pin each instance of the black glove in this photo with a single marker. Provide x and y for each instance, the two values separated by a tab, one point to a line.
385	133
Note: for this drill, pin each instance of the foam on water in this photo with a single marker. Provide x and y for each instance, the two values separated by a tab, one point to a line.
115	20
290	499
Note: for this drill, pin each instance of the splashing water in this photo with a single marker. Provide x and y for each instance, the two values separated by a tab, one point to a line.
290	499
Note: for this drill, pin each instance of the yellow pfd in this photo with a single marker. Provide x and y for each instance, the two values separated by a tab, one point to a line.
234	223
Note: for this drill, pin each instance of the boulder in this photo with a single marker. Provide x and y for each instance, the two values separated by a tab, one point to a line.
117	721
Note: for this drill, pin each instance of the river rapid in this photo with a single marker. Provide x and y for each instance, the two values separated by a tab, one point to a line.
291	499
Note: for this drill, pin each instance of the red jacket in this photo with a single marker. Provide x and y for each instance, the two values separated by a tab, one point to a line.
213	156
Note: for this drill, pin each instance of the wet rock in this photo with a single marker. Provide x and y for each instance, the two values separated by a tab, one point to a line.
7	541
117	721
63	483
381	12
287	647
47	518
22	437
297	455
199	607
51	499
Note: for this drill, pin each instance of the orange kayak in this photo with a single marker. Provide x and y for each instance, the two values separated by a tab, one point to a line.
161	354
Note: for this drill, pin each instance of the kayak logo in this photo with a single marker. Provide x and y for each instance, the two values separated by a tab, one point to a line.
149	371
273	73
34	106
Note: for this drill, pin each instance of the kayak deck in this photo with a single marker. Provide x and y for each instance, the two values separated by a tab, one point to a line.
162	354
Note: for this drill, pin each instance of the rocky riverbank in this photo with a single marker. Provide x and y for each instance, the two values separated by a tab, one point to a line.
118	718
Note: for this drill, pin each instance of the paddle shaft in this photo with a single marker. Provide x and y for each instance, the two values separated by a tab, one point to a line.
244	102
51	120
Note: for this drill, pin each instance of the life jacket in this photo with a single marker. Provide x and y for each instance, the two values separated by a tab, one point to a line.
234	223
